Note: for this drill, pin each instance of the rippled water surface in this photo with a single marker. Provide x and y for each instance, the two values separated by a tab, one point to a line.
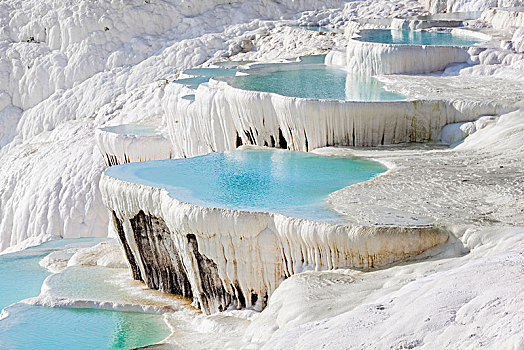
292	183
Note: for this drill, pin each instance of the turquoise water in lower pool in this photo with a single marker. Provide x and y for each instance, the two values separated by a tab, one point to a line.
296	184
20	274
36	327
314	81
414	37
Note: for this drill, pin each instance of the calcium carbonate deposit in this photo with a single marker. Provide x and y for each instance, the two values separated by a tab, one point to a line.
156	187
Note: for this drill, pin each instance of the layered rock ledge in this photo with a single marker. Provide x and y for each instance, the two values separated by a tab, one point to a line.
234	259
224	118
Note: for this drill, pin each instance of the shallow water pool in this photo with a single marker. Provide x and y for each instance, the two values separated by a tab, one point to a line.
36	327
192	82
132	129
202	75
20	274
413	37
315	81
190	97
320	29
292	183
211	72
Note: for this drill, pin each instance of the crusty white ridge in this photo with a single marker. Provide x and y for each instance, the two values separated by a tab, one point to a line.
121	148
222	118
370	58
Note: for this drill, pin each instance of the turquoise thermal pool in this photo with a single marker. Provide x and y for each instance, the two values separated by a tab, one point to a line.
192	82
190	97
320	29
21	275
132	129
25	326
211	72
295	184
308	77
315	81
413	37
232	64
202	75
37	327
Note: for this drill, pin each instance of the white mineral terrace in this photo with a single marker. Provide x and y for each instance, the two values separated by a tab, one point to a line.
371	58
221	115
251	252
132	143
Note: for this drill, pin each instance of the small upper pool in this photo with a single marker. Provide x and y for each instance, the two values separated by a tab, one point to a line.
202	75
211	72
309	78
232	64
132	129
320	29
295	184
414	37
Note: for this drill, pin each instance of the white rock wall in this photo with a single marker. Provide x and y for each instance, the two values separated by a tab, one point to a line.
221	115
439	6
504	19
376	58
120	149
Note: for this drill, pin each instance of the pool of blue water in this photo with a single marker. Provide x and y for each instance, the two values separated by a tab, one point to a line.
412	37
132	129
193	82
36	327
315	81
202	75
211	72
232	64
188	97
320	29
20	274
291	183
312	59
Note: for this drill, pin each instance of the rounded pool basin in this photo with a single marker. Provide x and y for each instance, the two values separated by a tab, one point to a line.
295	184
